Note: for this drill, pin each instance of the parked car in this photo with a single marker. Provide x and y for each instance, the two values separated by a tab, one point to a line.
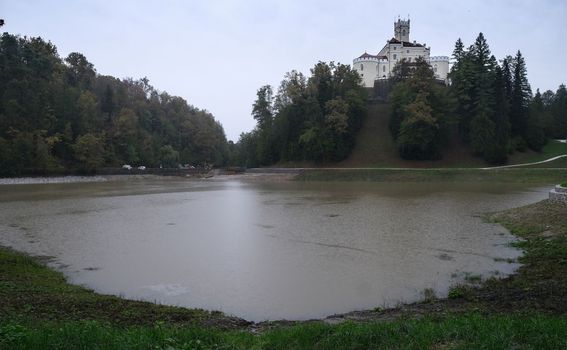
141	167
127	166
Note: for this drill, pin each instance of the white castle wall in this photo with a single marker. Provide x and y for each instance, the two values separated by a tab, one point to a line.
440	65
369	69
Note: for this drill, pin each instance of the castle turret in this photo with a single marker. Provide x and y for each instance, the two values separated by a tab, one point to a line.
440	66
401	30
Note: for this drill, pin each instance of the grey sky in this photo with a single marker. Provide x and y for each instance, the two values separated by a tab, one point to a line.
216	54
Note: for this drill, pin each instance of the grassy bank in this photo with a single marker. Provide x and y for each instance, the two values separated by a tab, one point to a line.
472	331
38	309
515	175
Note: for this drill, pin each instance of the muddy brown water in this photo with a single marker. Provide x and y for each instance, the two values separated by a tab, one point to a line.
265	251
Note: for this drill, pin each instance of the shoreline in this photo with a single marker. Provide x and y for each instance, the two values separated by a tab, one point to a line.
50	180
511	174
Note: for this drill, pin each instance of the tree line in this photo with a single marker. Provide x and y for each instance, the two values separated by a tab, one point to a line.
488	103
59	115
311	118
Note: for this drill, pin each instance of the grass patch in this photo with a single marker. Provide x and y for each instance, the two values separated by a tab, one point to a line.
541	282
509	175
470	331
558	163
551	149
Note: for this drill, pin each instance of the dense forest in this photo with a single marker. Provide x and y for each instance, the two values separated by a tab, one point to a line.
489	104
308	119
58	115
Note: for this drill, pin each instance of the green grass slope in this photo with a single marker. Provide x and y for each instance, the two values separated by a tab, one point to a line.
375	147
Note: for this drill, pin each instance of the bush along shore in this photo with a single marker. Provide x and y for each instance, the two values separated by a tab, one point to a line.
39	309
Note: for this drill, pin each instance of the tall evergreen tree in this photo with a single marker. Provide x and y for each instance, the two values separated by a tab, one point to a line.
520	98
559	112
535	135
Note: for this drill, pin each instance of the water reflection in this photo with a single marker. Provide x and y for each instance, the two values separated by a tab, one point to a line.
264	251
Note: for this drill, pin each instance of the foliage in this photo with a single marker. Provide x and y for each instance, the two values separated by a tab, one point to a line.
555	113
311	119
419	112
464	331
60	115
496	112
89	150
456	292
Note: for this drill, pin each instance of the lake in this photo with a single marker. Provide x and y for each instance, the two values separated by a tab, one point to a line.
265	251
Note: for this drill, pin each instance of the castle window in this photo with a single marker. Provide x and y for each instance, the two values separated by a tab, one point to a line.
361	67
407	51
383	68
395	56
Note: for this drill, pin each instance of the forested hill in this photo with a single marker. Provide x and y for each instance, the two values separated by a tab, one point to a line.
487	114
59	115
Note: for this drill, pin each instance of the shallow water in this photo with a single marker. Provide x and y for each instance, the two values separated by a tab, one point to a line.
264	251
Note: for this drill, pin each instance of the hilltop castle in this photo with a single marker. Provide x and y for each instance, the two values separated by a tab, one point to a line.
380	66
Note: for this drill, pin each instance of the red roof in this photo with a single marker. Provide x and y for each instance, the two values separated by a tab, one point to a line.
404	43
367	55
408	44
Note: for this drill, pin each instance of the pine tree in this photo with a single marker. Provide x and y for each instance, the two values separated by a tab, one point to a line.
520	98
507	77
559	113
535	133
498	153
458	52
462	77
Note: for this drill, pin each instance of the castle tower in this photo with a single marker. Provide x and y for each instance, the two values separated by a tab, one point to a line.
401	30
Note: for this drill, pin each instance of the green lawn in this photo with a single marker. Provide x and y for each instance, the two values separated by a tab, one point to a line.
469	331
551	149
536	175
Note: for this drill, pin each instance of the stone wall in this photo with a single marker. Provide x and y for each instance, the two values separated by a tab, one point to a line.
558	194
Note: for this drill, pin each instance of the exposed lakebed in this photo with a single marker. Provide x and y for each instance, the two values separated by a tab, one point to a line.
288	250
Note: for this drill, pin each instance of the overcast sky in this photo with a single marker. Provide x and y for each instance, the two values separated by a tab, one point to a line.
216	54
